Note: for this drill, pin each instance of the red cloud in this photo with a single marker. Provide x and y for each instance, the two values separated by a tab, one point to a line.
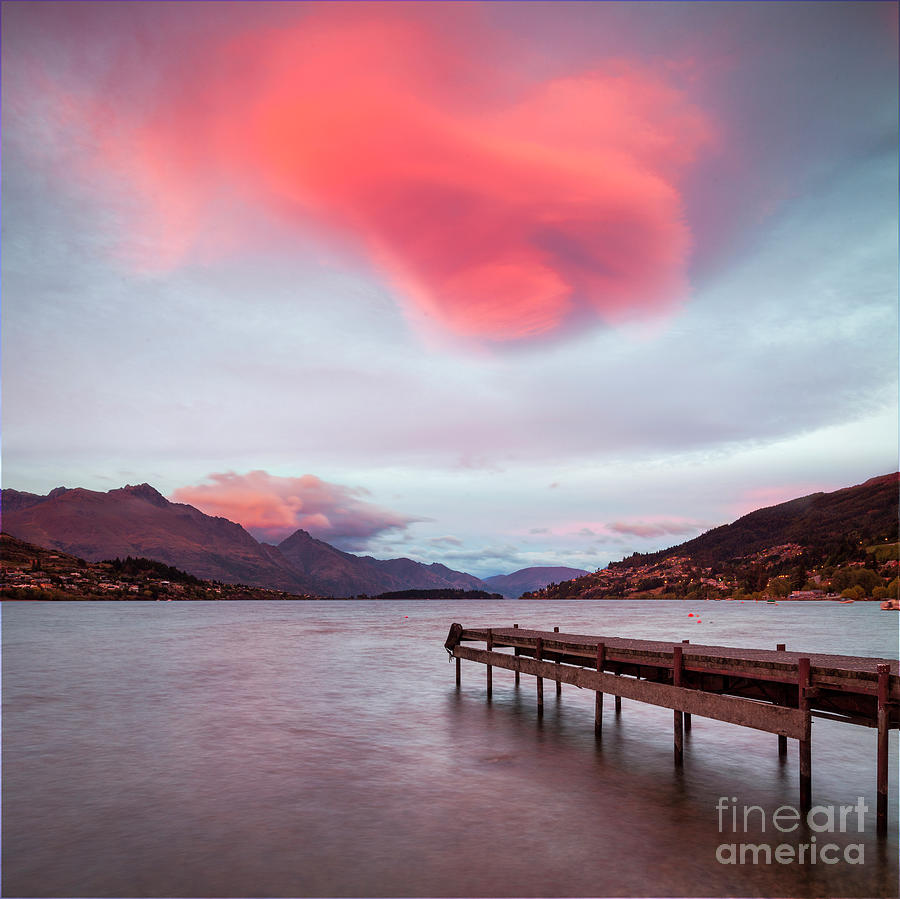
273	507
497	208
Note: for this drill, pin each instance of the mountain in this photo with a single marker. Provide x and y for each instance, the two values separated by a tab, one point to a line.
820	522
339	573
820	540
528	579
140	521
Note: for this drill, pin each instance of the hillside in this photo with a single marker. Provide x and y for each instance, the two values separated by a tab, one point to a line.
818	543
29	572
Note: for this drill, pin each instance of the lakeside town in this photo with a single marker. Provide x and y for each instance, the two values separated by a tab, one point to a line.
780	572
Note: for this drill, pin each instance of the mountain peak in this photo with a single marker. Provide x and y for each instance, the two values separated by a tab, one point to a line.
145	492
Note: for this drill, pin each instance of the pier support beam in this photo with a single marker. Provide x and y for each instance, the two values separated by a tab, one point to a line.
516	652
687	715
782	741
539	655
558	681
805	741
677	665
882	772
598	703
458	678
618	705
490	670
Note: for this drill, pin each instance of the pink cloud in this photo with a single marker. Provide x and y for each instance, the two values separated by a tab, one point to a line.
656	527
496	208
651	526
273	507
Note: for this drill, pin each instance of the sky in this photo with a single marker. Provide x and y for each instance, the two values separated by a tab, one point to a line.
488	284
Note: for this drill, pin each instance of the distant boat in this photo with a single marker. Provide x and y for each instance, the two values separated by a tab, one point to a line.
891	605
847	600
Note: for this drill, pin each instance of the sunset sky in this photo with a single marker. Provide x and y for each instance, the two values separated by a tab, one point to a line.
494	285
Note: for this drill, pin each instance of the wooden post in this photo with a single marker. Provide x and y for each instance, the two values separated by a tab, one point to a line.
618	705
884	672
558	681
458	678
516	652
687	715
677	663
598	704
805	743
490	670
538	654
782	741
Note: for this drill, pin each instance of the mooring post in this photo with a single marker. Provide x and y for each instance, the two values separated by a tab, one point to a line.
458	678
805	741
687	715
884	672
558	681
782	741
618	704
598	703
490	670
677	663
538	654
516	652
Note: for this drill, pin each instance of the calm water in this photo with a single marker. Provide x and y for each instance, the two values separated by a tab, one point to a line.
321	749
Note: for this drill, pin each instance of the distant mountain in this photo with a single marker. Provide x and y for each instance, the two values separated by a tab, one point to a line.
339	573
527	579
140	521
817	540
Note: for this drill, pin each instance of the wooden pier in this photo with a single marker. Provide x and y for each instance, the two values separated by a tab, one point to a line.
776	691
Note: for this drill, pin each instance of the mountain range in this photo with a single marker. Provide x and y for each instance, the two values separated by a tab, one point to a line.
139	521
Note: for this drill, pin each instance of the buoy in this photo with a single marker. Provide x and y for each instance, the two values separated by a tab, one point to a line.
690	614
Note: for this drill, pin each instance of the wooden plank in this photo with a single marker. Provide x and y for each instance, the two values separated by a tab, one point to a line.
759	715
850	680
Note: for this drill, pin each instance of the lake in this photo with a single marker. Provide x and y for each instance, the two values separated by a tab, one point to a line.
295	749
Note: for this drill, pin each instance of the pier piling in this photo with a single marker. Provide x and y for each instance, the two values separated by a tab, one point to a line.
805	740
782	741
490	670
884	672
516	652
677	664
558	681
598	702
539	655
687	715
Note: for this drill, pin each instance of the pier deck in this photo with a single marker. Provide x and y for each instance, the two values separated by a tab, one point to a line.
773	690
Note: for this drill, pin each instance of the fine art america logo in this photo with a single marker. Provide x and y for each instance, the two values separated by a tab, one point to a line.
820	819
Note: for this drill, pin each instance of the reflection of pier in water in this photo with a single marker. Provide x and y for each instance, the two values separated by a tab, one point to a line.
770	690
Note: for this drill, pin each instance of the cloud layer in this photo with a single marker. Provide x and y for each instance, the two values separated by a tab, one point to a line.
273	507
494	209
